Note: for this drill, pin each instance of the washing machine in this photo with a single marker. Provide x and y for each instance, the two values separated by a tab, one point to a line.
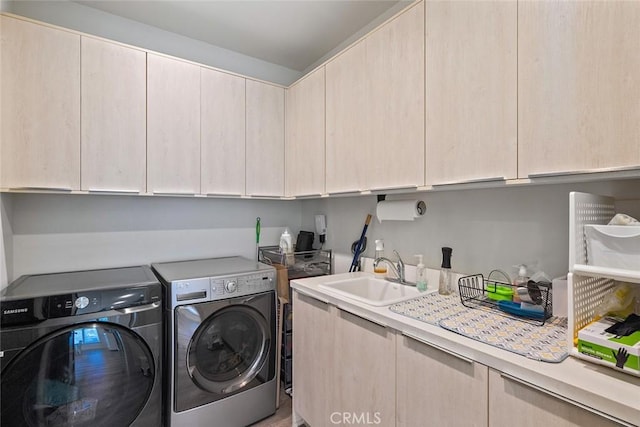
82	349
221	333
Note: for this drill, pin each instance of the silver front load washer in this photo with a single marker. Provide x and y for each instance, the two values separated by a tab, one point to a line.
221	330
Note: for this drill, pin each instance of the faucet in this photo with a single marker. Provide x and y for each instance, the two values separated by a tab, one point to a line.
397	269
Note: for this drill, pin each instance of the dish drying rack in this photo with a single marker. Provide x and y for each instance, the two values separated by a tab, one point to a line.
475	290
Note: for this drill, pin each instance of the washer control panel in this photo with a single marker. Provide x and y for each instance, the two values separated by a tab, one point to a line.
246	284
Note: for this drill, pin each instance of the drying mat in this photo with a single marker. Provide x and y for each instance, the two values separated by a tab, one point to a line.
546	343
430	308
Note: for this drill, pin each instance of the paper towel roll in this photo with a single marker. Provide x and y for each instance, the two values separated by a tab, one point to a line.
400	210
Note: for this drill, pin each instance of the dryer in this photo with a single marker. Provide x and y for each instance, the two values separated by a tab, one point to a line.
221	335
82	349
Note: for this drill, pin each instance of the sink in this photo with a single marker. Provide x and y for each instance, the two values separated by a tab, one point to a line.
372	291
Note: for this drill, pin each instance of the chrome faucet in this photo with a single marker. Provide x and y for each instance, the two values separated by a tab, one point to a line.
398	269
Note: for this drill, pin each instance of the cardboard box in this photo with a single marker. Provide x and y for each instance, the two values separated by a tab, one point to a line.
282	286
620	352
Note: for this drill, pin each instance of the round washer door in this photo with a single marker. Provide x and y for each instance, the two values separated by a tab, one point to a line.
229	349
89	374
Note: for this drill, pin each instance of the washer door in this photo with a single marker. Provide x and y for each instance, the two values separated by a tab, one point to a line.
89	374
229	349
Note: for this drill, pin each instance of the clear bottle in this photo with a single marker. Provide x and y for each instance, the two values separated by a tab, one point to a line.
421	275
444	286
519	282
381	269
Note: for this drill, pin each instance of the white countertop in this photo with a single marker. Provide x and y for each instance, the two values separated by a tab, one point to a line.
589	385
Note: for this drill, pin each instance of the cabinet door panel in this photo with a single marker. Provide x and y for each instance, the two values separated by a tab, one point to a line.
265	139
314	373
395	108
434	385
365	362
40	115
471	116
304	146
173	126
223	133
113	117
348	151
511	400
578	85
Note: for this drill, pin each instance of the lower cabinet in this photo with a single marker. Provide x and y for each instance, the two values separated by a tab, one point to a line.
513	402
438	388
364	375
343	366
313	363
348	370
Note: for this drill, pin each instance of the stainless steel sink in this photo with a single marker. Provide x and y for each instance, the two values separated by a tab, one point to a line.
372	291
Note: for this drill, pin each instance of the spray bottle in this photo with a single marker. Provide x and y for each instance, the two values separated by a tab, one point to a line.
445	286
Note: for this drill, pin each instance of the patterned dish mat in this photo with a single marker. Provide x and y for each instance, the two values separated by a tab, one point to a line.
431	308
546	343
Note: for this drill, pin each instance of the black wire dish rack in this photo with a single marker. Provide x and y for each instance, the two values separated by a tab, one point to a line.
476	291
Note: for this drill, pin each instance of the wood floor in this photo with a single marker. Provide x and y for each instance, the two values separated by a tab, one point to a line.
282	417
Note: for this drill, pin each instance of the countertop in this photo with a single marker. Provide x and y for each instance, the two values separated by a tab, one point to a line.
597	388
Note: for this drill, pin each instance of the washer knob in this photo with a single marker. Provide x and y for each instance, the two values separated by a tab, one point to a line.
82	302
230	286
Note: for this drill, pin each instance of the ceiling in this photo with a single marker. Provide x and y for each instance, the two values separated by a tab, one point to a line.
294	34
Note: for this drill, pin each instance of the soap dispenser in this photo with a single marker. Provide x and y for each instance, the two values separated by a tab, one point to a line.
421	275
444	286
380	270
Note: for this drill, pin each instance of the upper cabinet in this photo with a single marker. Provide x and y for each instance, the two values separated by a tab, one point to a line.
114	138
471	91
305	130
375	109
40	115
578	86
223	133
265	140
395	122
173	126
346	121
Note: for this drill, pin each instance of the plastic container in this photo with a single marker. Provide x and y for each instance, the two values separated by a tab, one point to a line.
421	275
380	270
613	246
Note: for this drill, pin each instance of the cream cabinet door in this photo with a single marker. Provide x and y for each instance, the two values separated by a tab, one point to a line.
436	387
471	95
578	86
512	400
304	142
366	375
223	133
114	108
173	126
314	371
395	108
40	111
347	148
265	140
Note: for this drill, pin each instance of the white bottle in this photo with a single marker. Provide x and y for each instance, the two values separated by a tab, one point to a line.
286	247
421	275
381	269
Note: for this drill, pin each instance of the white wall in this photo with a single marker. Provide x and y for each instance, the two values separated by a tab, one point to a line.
487	228
52	233
6	243
92	21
